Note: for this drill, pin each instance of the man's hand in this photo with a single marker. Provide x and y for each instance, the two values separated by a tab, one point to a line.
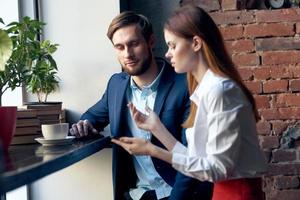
82	128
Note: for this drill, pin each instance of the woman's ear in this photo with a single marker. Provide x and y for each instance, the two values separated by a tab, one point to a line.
197	43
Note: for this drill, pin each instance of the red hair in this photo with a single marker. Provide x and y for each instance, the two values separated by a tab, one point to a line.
190	21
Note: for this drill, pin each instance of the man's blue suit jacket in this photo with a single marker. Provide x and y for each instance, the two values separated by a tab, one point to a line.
172	106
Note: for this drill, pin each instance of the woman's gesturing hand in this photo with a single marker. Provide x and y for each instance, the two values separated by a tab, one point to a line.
134	146
146	122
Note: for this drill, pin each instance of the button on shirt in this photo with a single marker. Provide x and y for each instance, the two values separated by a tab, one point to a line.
148	177
223	142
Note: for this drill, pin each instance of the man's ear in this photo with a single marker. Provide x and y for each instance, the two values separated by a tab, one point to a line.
151	41
197	43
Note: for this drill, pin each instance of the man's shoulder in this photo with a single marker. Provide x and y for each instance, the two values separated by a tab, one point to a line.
119	77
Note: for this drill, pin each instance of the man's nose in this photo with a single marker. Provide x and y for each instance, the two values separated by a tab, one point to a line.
128	52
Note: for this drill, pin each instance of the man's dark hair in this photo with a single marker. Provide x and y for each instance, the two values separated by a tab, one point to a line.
130	18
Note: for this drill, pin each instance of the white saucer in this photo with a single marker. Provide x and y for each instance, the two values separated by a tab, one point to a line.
65	141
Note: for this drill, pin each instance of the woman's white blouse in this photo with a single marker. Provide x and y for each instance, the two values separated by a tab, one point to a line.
223	142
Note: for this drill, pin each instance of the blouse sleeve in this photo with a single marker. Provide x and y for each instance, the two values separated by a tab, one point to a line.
225	106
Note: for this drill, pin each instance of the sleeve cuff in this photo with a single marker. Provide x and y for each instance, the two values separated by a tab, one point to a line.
179	148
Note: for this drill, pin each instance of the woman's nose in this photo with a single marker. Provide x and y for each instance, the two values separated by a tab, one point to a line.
167	55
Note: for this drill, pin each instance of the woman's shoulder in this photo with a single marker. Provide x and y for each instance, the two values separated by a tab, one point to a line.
217	84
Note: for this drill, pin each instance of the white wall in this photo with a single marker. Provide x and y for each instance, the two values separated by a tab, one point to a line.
88	179
85	60
85	56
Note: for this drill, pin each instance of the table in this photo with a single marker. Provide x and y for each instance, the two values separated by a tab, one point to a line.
25	164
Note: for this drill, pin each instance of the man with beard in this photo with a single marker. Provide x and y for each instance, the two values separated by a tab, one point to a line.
146	82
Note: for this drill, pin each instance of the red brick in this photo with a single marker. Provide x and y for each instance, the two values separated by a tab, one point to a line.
286	182
269	142
282	155
288	100
254	86
274	86
233	17
262	101
268	184
289	113
298	27
240	46
263	127
284	195
267	153
284	169
279	126
295	70
295	86
269	114
274	29
282	15
284	57
229	4
286	43
280	71
262	73
246	73
232	32
208	5
246	59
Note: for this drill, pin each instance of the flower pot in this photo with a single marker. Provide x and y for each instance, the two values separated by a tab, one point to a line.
8	116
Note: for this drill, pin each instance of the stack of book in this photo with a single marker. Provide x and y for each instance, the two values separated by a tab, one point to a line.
27	127
30	118
47	113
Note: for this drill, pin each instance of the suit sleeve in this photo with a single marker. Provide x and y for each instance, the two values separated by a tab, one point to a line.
98	114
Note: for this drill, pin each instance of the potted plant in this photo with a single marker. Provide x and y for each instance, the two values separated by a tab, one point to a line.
43	78
7	114
31	62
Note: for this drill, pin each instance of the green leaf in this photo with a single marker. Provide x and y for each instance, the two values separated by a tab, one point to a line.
5	48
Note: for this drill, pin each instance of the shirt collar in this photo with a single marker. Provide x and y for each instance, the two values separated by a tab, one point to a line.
196	96
152	86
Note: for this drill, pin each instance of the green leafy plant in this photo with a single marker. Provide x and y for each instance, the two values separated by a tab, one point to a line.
31	62
43	78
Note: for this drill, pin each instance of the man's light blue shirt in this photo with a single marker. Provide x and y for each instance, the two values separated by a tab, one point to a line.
148	177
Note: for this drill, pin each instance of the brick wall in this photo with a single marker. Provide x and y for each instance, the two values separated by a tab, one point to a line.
265	46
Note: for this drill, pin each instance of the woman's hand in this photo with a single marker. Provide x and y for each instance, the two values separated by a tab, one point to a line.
134	146
146	122
152	123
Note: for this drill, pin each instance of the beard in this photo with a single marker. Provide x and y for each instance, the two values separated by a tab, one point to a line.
140	68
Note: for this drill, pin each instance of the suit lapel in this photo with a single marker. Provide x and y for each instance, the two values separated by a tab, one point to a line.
120	100
164	86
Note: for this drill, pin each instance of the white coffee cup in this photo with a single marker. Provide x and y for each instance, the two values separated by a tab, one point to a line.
55	131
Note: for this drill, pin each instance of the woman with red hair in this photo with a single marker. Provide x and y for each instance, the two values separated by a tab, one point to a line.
221	128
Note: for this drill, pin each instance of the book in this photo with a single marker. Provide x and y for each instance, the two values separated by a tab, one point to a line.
44	106
48	117
25	122
50	121
48	112
26	113
27	130
25	139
